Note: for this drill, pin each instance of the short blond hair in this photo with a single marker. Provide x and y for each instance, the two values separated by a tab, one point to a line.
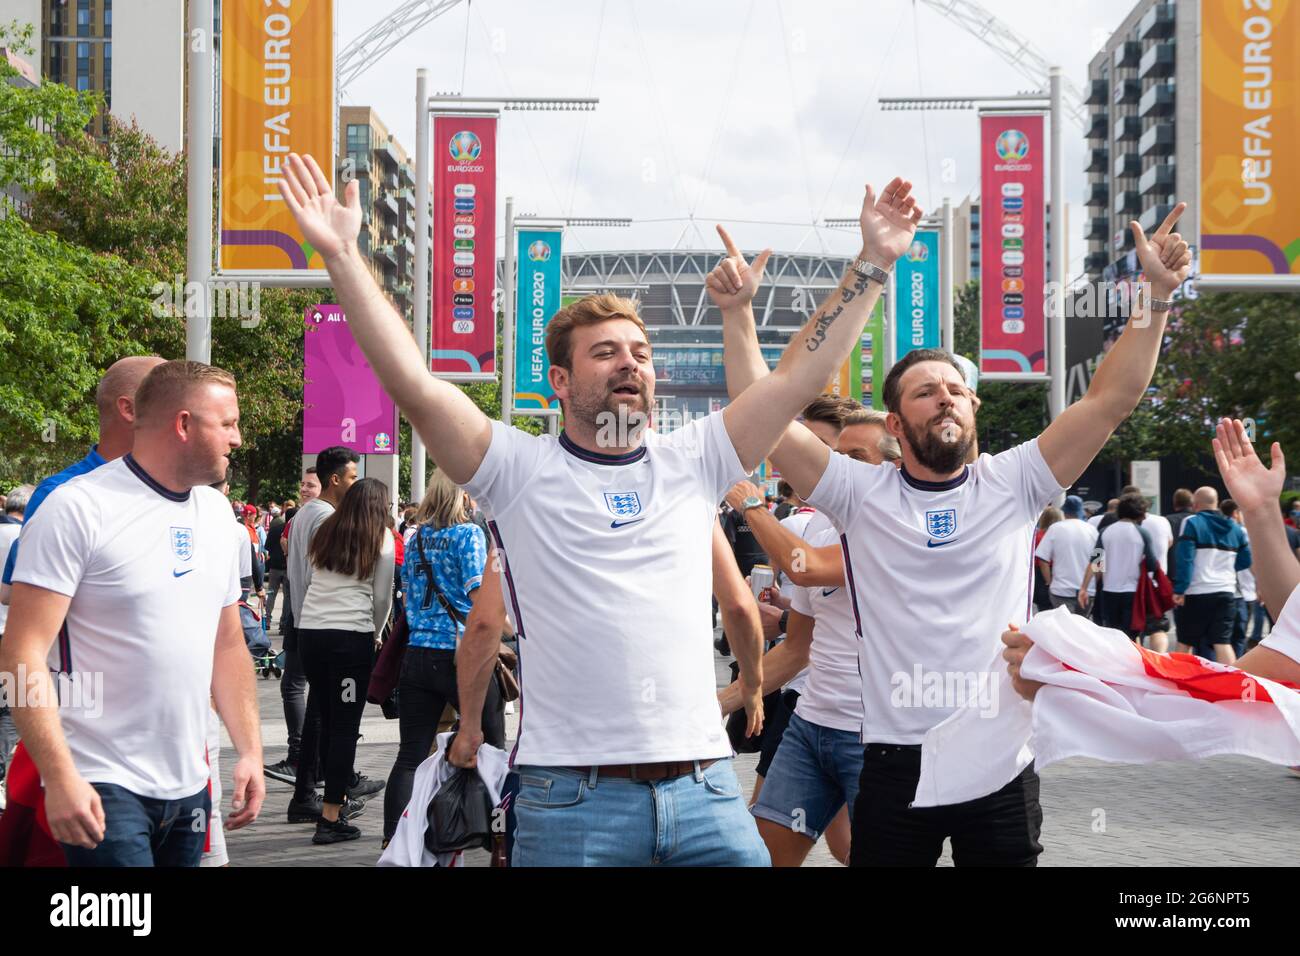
443	504
168	387
589	310
862	415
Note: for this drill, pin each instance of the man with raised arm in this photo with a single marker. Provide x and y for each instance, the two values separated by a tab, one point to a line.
945	549
604	535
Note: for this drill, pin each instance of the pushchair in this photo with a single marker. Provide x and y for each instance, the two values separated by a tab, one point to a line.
266	661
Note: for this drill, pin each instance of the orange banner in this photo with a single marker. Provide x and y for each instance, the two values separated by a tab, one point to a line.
277	97
1250	136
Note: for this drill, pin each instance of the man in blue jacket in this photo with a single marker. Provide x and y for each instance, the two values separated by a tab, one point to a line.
1211	549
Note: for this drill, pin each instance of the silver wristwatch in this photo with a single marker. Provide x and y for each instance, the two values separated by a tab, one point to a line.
869	270
1159	305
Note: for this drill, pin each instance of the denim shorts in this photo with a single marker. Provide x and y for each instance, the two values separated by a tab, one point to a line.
815	772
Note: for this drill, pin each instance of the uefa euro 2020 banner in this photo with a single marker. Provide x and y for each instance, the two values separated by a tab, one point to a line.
343	402
1013	320
916	279
1250	137
463	329
277	97
537	298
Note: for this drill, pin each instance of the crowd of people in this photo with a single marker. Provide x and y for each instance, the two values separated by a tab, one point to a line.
580	569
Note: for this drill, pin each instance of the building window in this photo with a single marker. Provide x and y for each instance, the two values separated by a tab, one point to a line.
83	82
358	138
108	17
83	18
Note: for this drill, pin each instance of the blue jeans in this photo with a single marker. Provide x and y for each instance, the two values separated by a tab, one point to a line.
564	817
815	772
142	831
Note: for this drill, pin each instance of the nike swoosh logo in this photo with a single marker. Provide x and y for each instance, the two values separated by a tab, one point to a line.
828	593
624	524
181	574
937	544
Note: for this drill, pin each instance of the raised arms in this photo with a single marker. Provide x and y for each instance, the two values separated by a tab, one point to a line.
1072	441
759	414
455	432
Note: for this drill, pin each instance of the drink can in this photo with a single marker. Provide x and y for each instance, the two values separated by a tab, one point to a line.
761	578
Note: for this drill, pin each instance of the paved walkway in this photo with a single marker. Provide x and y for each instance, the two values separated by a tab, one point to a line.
1227	811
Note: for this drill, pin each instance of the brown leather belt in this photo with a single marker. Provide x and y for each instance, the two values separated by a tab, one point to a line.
648	771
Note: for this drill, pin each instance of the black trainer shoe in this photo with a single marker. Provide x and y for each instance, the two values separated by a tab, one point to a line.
337	832
283	771
305	811
353	808
363	786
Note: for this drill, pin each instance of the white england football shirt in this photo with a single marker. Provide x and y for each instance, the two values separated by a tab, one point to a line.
936	571
832	694
148	571
1067	546
607	562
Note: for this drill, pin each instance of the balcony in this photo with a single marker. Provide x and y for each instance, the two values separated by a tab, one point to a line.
1128	202
1128	128
1098	125
1127	91
1098	227
1157	141
384	251
1127	53
1096	160
406	195
409	223
1127	164
1098	194
388	155
1094	262
402	290
360	165
1157	23
406	175
1098	93
1154	216
388	204
1157	101
1157	179
1157	61
1122	241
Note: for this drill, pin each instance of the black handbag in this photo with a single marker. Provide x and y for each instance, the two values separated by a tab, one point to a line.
460	814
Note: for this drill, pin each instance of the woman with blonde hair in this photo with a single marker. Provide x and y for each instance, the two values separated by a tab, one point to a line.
441	576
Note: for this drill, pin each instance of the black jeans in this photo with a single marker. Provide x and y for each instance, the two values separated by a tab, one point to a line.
293	692
337	664
427	685
1001	829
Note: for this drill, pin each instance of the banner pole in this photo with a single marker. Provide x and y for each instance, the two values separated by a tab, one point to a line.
1056	301
946	272
198	239
508	318
420	311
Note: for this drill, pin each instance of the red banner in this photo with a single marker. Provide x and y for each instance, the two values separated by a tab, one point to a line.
1013	243
463	331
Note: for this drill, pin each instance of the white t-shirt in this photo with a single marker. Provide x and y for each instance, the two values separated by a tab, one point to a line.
1095	520
832	695
1162	537
1285	636
1123	550
797	523
1067	546
608	569
149	572
8	534
936	571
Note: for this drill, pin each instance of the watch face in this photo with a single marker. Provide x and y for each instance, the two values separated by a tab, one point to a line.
752	502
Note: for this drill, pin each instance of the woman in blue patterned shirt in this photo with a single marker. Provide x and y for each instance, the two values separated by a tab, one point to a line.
441	574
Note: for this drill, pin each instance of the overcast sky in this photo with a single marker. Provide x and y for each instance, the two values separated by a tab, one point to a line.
726	110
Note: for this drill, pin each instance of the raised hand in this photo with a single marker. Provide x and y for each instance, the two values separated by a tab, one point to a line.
734	282
330	226
1249	483
888	223
1165	257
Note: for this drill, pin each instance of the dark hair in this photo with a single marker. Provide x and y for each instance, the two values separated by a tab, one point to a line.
826	409
349	540
1130	490
893	381
1131	506
310	471
784	489
1183	499
333	461
1228	507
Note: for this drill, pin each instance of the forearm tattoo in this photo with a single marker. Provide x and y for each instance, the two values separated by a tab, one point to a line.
828	315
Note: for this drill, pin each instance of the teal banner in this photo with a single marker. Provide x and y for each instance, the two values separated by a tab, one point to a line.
537	298
917	285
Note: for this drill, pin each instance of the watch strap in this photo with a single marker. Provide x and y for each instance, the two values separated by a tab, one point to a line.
870	270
